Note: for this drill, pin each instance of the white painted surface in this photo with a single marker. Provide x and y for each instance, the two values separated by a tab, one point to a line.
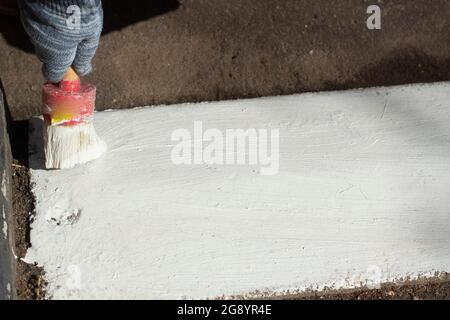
362	195
5	224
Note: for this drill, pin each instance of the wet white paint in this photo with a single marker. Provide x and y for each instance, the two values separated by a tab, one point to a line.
4	184
69	146
361	197
5	224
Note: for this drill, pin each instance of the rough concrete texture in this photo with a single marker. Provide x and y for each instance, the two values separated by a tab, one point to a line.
7	261
360	197
168	51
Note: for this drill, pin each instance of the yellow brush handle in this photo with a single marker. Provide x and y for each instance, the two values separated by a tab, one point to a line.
71	75
70	81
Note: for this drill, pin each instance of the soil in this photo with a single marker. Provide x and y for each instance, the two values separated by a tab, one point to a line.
436	288
169	51
426	289
30	279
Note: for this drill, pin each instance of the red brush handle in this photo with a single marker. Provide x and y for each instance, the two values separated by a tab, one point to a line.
70	86
69	102
71	82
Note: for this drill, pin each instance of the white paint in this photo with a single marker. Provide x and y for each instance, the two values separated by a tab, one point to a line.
211	147
69	146
8	290
5	224
362	197
4	183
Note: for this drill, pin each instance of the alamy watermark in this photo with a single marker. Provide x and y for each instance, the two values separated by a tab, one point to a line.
75	12
374	20
73	22
229	147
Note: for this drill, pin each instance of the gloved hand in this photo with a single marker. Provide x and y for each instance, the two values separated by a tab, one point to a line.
64	33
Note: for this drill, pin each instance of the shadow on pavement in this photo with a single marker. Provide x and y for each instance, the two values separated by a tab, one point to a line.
403	66
118	14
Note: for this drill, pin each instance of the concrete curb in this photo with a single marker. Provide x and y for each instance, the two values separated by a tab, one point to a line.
7	261
358	201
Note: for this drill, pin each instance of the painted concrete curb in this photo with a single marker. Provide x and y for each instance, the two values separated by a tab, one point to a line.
7	261
360	198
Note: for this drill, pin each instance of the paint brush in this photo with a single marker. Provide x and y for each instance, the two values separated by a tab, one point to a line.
69	134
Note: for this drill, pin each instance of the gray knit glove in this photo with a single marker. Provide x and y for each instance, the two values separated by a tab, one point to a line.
64	33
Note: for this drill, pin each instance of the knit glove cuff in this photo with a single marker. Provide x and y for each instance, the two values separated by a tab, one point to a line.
62	35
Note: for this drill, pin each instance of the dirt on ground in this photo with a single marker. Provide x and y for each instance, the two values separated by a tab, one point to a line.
169	51
434	288
30	279
437	288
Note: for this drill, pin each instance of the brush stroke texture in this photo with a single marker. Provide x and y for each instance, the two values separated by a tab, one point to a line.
362	195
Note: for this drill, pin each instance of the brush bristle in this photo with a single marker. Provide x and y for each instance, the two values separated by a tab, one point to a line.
68	146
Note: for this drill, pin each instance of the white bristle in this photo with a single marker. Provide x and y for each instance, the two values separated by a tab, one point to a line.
68	146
